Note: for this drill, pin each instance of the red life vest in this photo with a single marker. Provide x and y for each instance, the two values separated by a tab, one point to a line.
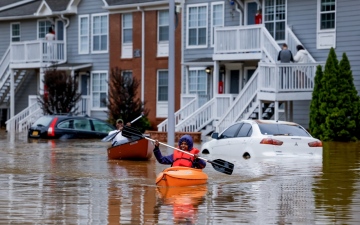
183	159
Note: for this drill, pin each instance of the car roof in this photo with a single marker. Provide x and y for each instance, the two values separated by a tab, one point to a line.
269	122
72	117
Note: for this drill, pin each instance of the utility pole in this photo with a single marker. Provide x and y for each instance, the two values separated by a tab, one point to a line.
171	72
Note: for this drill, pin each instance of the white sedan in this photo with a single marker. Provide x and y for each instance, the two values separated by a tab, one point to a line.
262	138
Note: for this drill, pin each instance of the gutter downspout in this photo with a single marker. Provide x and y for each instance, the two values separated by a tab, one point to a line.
142	53
67	24
240	12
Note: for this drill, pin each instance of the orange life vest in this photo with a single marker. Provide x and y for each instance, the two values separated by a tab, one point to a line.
183	159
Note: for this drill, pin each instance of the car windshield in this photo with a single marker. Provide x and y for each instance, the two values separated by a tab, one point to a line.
43	121
282	129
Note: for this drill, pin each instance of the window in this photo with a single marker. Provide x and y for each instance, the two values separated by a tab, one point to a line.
43	28
231	131
99	33
162	85
127	75
163	26
275	18
245	131
217	18
197	26
99	89
15	32
84	34
197	82
127	28
327	14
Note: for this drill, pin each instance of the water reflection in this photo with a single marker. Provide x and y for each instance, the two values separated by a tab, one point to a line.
73	182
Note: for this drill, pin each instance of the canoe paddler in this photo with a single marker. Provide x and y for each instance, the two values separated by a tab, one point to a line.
179	158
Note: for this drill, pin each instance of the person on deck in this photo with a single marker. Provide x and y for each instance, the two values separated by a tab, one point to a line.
179	158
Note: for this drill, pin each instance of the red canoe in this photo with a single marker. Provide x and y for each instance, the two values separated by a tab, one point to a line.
135	150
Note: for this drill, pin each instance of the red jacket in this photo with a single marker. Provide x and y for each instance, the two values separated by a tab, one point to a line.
183	159
258	19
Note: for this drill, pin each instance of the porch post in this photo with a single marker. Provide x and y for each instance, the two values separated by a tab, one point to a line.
291	111
12	97
260	110
276	110
215	77
41	84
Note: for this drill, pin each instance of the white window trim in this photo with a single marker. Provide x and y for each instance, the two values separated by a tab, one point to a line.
11	31
88	35
126	48
91	89
211	18
328	33
187	26
274	21
37	28
161	106
158	29
188	77
92	35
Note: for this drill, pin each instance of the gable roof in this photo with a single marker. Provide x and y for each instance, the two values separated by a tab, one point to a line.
126	2
13	9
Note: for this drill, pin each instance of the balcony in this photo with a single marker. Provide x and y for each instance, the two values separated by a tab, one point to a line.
35	54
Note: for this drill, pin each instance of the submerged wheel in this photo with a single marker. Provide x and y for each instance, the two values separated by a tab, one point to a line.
205	151
246	155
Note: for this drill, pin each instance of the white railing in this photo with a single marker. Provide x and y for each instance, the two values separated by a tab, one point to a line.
286	77
241	103
293	41
181	114
24	119
270	46
38	51
26	113
238	39
4	67
210	111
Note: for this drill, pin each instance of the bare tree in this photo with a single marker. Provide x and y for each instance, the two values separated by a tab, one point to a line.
60	92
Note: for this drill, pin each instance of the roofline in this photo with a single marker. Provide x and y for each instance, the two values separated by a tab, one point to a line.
15	5
34	16
137	5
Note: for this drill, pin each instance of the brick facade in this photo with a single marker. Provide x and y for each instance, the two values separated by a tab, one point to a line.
152	62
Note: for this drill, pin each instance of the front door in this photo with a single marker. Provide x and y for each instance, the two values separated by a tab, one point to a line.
251	10
248	74
59	30
234	81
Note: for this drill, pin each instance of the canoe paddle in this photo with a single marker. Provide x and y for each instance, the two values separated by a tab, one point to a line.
112	136
218	164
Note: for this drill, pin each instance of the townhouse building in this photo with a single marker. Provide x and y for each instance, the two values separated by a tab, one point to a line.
230	66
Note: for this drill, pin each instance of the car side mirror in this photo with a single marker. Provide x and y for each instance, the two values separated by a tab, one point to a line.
215	135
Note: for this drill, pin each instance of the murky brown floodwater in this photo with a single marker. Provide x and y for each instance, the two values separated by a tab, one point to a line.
73	182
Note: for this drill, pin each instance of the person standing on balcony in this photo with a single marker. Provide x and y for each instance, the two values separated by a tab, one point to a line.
50	36
301	57
285	56
258	17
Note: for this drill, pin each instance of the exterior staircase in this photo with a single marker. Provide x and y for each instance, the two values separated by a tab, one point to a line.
271	81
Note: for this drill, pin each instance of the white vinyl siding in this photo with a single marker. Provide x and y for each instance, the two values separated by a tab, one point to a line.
15	32
275	18
99	89
99	35
84	32
217	18
197	22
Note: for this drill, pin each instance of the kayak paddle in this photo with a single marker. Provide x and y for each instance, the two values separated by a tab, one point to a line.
218	164
113	135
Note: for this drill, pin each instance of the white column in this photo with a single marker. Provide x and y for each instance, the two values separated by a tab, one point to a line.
216	78
41	83
276	110
12	94
260	110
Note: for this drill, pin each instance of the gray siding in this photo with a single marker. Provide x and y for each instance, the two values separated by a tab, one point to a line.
99	61
302	17
301	111
193	54
28	87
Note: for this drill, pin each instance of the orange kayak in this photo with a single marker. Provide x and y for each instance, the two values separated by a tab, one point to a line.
181	176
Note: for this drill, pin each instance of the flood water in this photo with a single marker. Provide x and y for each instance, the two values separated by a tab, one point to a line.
73	182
